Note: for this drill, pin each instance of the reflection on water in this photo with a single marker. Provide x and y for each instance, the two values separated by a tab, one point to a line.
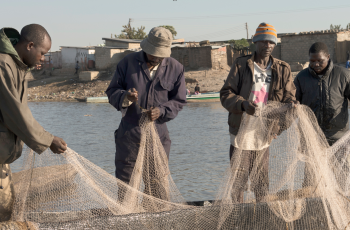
200	140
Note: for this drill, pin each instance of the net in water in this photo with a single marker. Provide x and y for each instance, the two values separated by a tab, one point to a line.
296	181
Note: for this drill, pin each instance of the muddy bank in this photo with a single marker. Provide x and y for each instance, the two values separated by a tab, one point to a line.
68	87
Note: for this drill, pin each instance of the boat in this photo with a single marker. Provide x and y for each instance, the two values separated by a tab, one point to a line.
201	97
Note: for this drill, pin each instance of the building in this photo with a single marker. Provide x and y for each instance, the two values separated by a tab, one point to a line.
295	46
196	57
71	54
122	43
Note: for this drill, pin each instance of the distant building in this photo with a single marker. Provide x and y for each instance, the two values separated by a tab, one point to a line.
71	54
122	43
295	46
196	57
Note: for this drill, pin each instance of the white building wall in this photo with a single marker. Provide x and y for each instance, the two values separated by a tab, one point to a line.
70	55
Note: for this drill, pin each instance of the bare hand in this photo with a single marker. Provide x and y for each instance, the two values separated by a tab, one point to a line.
249	107
153	113
295	103
132	95
58	145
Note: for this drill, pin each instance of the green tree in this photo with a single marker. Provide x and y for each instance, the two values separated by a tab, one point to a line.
171	29
239	44
348	26
131	33
335	27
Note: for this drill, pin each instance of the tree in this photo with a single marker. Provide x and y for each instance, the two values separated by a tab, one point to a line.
239	44
335	27
131	33
171	29
348	26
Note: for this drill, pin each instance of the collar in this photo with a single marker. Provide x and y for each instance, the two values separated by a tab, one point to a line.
326	74
141	57
272	61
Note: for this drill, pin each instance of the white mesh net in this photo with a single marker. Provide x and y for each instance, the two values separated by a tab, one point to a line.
293	182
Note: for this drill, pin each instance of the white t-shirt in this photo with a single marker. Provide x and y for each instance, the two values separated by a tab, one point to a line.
259	93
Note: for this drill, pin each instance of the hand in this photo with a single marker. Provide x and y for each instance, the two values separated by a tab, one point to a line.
153	113
58	145
132	95
295	103
249	107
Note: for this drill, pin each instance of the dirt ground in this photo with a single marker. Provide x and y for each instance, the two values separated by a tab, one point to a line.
68	87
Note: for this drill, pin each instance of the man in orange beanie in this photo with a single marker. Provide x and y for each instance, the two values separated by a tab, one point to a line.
254	80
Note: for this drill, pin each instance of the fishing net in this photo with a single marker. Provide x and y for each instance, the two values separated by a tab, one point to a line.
293	182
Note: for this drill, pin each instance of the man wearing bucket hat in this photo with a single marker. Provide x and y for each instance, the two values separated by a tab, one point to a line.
148	79
254	80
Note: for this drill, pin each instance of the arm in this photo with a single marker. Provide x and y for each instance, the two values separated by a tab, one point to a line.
229	97
298	94
177	99
18	118
116	90
289	89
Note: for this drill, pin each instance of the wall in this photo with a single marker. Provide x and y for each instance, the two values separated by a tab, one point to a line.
193	57
218	57
56	59
276	53
70	55
340	49
107	57
295	48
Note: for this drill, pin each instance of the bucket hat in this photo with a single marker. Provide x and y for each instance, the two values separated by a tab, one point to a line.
158	43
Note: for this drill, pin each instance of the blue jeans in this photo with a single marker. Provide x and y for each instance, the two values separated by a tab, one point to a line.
347	64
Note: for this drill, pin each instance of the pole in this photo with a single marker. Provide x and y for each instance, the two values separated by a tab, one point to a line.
246	27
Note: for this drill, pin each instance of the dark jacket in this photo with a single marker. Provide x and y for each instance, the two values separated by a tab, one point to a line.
167	90
327	97
238	86
17	125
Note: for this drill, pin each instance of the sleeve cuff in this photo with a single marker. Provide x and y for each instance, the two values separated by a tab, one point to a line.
126	102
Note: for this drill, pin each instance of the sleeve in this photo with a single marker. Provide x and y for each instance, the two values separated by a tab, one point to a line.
17	116
229	97
289	89
298	94
177	99
116	90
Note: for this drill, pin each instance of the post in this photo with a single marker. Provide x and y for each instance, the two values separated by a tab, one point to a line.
246	27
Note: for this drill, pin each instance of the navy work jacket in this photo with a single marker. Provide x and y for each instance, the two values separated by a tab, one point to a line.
167	90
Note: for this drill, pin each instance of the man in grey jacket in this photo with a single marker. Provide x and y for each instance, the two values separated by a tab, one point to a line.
325	88
18	53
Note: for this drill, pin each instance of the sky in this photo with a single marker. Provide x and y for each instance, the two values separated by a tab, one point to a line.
85	23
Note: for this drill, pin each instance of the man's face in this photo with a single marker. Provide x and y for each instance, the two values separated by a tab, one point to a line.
35	52
154	61
264	48
318	61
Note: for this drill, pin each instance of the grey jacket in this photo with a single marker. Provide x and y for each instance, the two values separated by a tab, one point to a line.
17	125
327	97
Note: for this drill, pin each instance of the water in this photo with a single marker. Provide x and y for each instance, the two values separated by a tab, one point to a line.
200	140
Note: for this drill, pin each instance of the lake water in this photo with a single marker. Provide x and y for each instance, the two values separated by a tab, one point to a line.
200	140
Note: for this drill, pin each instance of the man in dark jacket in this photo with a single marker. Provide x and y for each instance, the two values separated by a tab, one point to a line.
325	88
156	82
252	81
18	52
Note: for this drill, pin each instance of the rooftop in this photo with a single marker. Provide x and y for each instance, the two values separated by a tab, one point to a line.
123	40
79	47
315	32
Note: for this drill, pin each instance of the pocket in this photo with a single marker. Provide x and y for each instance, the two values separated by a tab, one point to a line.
278	94
166	85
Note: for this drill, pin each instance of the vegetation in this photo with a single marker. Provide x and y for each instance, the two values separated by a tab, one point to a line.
172	30
239	44
131	33
335	27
